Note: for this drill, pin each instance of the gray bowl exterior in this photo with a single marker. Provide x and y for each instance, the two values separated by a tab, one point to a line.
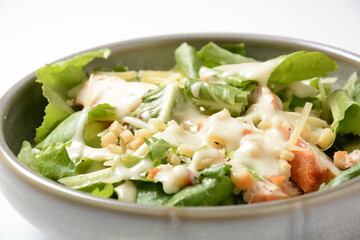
67	214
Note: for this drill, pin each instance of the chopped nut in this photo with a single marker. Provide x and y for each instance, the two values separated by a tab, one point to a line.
136	143
242	179
340	159
116	128
157	124
173	159
108	138
187	150
326	138
127	136
116	149
143	133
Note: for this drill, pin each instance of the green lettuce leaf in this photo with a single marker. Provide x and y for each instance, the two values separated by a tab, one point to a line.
187	60
57	80
215	188
215	97
238	48
103	190
290	101
345	107
63	132
159	103
26	156
241	83
99	118
97	122
102	112
129	160
302	65
212	55
151	193
158	150
85	180
344	176
216	171
53	162
210	192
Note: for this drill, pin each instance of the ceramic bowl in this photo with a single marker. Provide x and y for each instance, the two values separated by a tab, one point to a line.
63	213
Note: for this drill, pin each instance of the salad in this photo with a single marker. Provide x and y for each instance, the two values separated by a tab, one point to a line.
219	128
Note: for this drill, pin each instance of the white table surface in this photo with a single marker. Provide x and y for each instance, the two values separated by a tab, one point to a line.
36	32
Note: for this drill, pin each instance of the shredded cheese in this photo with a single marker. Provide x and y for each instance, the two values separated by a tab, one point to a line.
300	124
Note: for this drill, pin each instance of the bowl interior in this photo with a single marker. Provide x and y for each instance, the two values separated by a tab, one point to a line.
23	105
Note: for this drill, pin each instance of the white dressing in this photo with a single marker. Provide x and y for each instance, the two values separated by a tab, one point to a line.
103	88
188	113
195	89
259	71
126	192
172	177
175	134
75	150
120	172
259	153
206	157
208	74
221	125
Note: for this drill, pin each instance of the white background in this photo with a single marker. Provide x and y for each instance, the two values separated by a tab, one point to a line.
36	32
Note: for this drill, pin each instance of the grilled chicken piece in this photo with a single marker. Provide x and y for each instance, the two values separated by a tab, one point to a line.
311	167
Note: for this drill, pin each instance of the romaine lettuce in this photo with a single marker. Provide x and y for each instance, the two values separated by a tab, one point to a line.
52	161
57	80
187	61
159	103
215	97
344	176
151	193
212	55
302	65
345	107
158	150
214	188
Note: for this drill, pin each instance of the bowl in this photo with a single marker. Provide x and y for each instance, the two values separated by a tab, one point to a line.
63	213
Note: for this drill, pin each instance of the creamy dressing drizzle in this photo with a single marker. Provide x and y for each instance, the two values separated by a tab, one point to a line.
259	71
78	150
120	172
195	89
125	96
175	134
126	192
206	157
188	113
226	128
258	152
75	150
172	177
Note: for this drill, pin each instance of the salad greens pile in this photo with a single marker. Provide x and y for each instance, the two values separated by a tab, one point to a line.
68	147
